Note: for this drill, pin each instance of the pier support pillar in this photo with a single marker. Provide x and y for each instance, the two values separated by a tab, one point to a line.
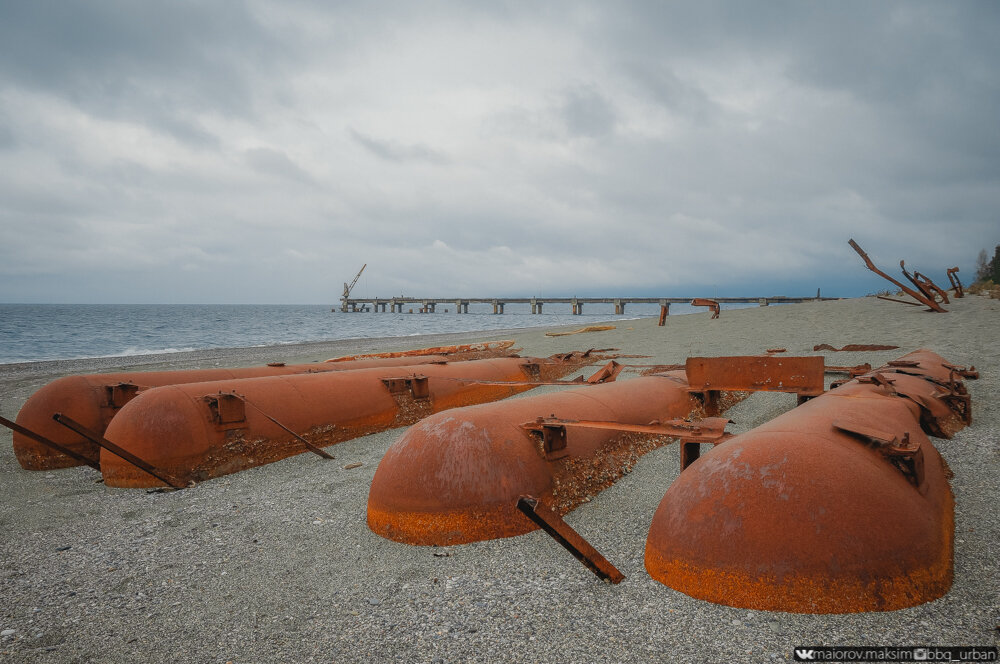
664	312
577	306
458	306
762	301
619	307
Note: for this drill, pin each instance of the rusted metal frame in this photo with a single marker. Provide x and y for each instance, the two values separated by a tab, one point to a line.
13	426
929	284
907	456
705	302
101	441
921	286
606	374
956	283
906	289
801	375
935	408
893	299
711	401
416	384
561	532
319	451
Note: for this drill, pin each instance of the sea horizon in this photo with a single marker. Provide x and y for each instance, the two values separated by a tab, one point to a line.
39	332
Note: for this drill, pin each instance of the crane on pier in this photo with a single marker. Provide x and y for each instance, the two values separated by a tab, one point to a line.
349	287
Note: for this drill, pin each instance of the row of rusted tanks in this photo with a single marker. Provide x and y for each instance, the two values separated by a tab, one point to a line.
840	505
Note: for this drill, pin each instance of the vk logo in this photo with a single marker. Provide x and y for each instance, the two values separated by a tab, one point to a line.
804	655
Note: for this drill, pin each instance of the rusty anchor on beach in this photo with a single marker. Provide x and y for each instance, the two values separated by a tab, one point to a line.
921	297
956	283
840	505
94	399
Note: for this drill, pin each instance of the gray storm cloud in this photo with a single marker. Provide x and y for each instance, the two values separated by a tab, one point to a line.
269	149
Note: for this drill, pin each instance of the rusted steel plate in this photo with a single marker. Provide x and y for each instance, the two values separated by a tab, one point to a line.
455	477
198	431
705	302
570	540
838	506
855	347
802	375
94	399
477	351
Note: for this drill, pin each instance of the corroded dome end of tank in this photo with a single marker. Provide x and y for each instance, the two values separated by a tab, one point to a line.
454	480
804	524
73	396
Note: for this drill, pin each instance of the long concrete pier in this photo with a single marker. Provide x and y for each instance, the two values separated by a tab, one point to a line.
429	304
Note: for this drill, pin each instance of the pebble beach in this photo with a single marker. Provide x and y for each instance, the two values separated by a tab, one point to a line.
277	564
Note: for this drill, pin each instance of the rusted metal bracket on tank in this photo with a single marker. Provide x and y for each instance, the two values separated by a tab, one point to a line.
14	426
416	385
705	302
560	531
956	283
907	456
920	297
120	394
101	441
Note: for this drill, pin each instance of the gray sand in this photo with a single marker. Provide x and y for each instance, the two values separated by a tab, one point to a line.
276	564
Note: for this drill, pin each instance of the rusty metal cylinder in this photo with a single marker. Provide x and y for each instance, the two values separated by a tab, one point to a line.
93	400
841	505
196	431
456	477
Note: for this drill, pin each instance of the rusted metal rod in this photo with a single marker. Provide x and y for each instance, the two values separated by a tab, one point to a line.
560	531
319	451
28	433
106	444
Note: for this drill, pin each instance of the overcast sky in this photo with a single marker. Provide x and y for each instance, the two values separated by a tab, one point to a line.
262	152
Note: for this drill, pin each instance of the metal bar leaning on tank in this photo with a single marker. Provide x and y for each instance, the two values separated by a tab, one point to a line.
13	426
99	440
319	451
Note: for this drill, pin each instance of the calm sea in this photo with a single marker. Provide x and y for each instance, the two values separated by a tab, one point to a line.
33	332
